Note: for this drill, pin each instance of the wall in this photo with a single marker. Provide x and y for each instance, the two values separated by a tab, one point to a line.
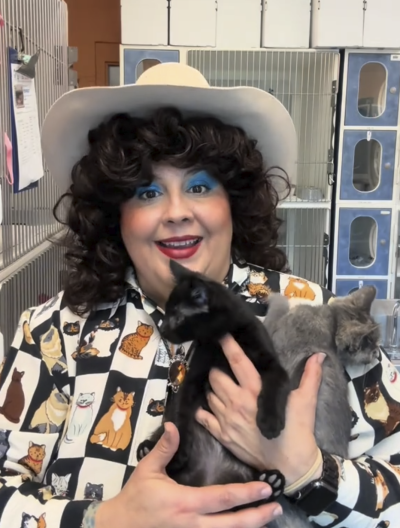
95	29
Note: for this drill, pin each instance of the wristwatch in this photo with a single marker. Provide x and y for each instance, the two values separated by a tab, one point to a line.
317	495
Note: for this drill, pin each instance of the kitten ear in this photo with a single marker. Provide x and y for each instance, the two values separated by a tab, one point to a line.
364	297
179	271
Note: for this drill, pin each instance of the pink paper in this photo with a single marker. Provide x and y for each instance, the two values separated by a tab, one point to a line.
9	159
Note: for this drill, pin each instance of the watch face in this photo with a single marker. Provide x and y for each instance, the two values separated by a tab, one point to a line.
318	495
318	500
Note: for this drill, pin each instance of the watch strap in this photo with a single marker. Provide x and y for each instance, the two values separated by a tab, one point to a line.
319	494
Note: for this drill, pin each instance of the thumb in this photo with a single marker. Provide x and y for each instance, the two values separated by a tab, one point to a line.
163	451
311	379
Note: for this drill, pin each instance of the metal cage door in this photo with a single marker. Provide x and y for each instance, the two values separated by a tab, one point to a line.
363	242
346	286
368	159
373	82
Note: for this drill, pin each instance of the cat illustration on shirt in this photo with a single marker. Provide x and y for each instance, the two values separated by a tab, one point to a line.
133	344
60	484
31	521
94	491
299	288
34	459
114	430
71	329
257	286
51	414
380	409
14	401
81	418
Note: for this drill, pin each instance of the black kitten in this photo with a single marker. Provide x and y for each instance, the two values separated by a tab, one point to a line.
203	311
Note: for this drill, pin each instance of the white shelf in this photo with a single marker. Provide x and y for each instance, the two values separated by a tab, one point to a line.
296	203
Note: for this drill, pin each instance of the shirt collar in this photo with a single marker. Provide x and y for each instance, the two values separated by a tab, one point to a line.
238	274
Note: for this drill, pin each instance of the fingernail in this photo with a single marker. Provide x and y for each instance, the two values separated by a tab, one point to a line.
320	358
167	432
277	512
266	492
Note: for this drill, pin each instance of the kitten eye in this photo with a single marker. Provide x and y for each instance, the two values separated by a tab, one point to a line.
199	295
348	349
365	342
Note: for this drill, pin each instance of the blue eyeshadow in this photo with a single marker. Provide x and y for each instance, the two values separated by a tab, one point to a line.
203	178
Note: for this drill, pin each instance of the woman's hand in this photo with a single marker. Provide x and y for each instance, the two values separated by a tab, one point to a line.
150	499
234	408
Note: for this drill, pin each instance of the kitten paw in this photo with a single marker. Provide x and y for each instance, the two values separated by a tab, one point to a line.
272	427
276	480
144	449
272	403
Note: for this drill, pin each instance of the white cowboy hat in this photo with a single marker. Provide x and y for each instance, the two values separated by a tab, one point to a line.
260	114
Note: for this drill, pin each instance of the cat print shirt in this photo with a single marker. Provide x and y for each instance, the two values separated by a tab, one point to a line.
78	395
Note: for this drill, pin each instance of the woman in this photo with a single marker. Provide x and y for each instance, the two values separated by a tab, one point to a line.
85	380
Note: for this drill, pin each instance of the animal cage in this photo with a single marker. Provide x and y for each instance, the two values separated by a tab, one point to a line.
305	83
304	237
34	283
29	266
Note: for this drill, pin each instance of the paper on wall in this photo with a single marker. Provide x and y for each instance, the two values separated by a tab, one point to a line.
24	104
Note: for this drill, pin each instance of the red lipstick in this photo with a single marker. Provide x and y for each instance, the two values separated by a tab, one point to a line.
180	247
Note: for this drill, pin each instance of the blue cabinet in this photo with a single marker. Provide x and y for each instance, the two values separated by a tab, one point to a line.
368	159
346	286
363	242
366	194
373	83
136	61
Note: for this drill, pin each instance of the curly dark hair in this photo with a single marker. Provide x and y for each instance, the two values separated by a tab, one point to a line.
120	157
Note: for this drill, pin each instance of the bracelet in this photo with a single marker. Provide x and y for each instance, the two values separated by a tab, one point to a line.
296	486
89	519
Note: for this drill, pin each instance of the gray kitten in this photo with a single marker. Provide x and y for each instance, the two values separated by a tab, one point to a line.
345	331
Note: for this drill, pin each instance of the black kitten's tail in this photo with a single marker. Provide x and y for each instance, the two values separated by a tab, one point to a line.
278	307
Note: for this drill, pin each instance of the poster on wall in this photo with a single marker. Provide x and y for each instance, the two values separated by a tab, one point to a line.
26	147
